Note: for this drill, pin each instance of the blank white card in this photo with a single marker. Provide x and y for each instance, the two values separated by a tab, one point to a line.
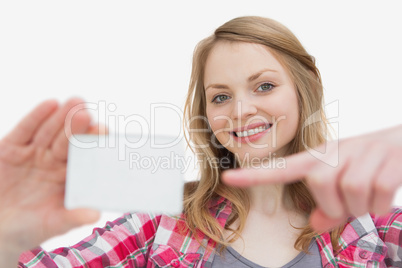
130	173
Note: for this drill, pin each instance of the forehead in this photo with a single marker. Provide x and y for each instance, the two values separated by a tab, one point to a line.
240	58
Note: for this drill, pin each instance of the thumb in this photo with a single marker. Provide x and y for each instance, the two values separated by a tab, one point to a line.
78	217
63	220
98	129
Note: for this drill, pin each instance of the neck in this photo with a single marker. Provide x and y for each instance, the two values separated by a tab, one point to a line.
268	199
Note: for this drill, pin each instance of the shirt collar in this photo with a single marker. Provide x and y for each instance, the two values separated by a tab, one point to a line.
359	242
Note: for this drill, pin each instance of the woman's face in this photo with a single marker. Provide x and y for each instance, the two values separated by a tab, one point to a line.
252	106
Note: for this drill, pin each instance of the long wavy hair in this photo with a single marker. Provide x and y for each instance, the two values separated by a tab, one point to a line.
307	80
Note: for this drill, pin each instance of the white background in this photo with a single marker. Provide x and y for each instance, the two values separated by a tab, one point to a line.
133	54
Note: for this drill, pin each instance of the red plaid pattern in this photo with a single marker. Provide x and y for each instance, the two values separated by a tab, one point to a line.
146	240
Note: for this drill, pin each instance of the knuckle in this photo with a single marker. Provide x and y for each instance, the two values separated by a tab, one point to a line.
57	152
353	187
384	188
14	153
377	146
316	180
42	137
358	211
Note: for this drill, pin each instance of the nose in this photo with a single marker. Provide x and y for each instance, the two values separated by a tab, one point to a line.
243	109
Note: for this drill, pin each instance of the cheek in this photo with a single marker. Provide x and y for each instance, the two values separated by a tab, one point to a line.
212	120
284	110
290	114
219	125
217	118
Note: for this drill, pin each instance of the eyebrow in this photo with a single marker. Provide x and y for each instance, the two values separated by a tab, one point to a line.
250	79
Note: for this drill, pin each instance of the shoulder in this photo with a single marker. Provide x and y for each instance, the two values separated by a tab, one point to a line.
371	238
144	226
148	222
392	219
389	226
132	233
136	221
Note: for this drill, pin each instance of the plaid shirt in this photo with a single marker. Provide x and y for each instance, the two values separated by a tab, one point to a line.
146	240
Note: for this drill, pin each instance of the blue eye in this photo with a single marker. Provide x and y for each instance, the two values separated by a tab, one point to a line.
265	87
220	98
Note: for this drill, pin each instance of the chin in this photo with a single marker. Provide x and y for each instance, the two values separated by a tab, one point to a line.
261	157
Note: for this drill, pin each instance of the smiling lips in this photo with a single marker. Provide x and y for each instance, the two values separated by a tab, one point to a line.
251	132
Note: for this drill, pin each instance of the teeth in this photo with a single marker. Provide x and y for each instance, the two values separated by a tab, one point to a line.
251	131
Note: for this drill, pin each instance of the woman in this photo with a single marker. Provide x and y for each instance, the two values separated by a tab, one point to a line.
253	87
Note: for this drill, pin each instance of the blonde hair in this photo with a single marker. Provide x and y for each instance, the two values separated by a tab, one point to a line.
306	77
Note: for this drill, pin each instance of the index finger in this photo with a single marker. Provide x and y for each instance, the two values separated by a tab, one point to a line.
26	128
295	168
